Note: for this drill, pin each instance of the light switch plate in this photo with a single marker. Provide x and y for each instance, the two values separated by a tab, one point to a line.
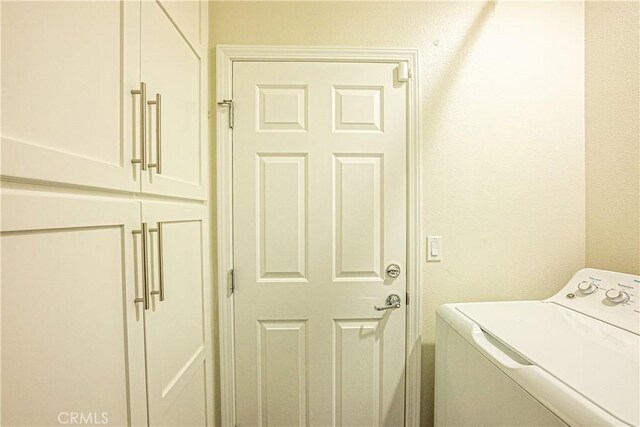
434	248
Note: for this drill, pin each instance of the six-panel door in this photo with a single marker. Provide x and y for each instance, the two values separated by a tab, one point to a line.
178	343
68	114
319	202
72	335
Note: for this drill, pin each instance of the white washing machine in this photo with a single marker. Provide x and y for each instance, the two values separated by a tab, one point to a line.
573	359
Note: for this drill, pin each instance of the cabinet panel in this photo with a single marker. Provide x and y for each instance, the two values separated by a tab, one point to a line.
175	70
72	336
68	69
188	16
178	334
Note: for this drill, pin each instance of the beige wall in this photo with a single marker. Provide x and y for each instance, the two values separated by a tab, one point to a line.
612	133
502	130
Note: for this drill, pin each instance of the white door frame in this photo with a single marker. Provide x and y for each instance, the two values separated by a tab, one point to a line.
226	56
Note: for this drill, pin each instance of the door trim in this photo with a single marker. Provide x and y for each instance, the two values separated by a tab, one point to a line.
226	55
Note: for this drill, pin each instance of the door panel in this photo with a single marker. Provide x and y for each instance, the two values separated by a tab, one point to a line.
70	124
357	109
357	217
283	372
319	212
357	367
175	70
282	217
72	336
178	339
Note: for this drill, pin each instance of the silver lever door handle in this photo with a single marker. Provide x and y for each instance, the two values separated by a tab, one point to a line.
393	301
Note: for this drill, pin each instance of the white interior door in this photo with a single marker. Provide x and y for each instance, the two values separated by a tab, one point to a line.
178	334
72	335
174	70
319	202
68	69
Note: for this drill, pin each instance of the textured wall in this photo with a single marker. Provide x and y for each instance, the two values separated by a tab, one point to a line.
612	135
502	132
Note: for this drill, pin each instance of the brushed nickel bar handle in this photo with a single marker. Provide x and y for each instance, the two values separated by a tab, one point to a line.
143	126
145	263
158	103
160	256
160	292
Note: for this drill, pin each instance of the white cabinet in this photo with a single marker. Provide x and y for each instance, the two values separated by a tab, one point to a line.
86	338
71	113
179	357
191	17
67	73
72	335
174	71
106	311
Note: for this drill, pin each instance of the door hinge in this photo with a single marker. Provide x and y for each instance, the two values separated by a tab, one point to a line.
228	103
232	281
406	300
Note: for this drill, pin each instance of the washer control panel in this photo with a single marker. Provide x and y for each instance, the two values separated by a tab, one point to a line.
605	295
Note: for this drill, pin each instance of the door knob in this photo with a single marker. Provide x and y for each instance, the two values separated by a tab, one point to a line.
393	270
393	301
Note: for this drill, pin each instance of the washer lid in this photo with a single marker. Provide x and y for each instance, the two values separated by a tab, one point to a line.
599	361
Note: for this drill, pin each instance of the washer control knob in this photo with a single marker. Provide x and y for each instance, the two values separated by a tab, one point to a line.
587	287
616	296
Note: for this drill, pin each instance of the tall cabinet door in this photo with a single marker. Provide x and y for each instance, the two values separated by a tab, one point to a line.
174	69
178	332
68	114
72	334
